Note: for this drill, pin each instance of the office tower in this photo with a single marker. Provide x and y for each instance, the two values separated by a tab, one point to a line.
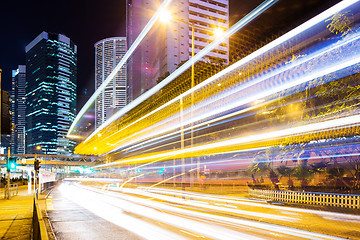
108	53
168	45
18	110
50	93
5	121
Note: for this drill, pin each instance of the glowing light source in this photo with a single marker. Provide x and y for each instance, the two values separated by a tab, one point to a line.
136	43
218	32
74	136
240	24
165	16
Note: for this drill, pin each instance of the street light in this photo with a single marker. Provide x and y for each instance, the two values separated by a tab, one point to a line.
39	148
165	16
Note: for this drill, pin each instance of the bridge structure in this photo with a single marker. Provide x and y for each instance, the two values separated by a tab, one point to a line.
52	160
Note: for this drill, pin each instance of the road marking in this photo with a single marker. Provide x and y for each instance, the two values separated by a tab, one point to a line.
49	205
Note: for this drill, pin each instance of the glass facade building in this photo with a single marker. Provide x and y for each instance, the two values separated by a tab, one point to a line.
18	105
108	53
51	64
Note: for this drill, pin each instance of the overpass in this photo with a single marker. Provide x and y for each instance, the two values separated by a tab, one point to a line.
55	160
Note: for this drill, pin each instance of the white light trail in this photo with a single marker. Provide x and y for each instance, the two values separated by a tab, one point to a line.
242	201
148	209
94	203
240	24
207	206
111	76
307	25
145	207
252	138
248	99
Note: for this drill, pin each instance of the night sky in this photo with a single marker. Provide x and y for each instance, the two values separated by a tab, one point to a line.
84	22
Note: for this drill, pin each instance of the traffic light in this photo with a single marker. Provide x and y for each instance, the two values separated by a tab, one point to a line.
37	165
11	163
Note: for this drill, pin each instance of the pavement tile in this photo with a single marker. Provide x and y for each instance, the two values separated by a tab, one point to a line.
16	215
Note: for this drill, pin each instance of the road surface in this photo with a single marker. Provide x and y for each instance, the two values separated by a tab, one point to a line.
85	212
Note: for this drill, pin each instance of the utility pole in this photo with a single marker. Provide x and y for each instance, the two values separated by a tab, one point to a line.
8	174
35	174
0	105
0	111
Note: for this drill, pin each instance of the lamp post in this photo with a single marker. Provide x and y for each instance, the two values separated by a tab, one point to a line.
0	105
166	17
39	148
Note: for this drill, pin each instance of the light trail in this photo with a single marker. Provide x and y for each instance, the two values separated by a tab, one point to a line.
260	95
240	24
202	226
253	138
252	56
132	178
242	201
165	180
124	59
206	205
146	209
116	215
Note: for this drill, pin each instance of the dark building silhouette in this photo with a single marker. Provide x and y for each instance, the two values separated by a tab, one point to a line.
5	113
51	65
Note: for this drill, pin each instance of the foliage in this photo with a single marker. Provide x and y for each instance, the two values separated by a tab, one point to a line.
285	171
259	165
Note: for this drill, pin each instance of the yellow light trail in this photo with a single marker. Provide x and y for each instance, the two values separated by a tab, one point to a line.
275	43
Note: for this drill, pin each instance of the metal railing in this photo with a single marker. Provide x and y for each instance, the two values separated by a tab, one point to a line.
14	190
314	198
47	185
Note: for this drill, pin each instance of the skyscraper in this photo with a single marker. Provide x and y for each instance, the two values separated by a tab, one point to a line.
50	93
18	110
108	53
168	45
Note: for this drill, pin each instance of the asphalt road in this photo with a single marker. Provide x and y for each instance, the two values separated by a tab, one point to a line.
70	220
83	212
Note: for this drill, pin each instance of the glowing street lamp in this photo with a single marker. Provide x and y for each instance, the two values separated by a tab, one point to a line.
39	149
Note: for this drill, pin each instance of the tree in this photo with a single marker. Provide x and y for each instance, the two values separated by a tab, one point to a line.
285	171
259	165
303	173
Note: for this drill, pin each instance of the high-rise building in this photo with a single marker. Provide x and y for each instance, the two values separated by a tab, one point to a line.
5	121
18	110
170	44
108	53
51	77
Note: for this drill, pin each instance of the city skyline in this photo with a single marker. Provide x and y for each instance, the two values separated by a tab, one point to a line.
214	119
80	25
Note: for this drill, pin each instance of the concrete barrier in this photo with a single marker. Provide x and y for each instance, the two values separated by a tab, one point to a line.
38	224
314	198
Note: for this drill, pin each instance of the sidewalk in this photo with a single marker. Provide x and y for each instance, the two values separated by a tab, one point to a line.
16	215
